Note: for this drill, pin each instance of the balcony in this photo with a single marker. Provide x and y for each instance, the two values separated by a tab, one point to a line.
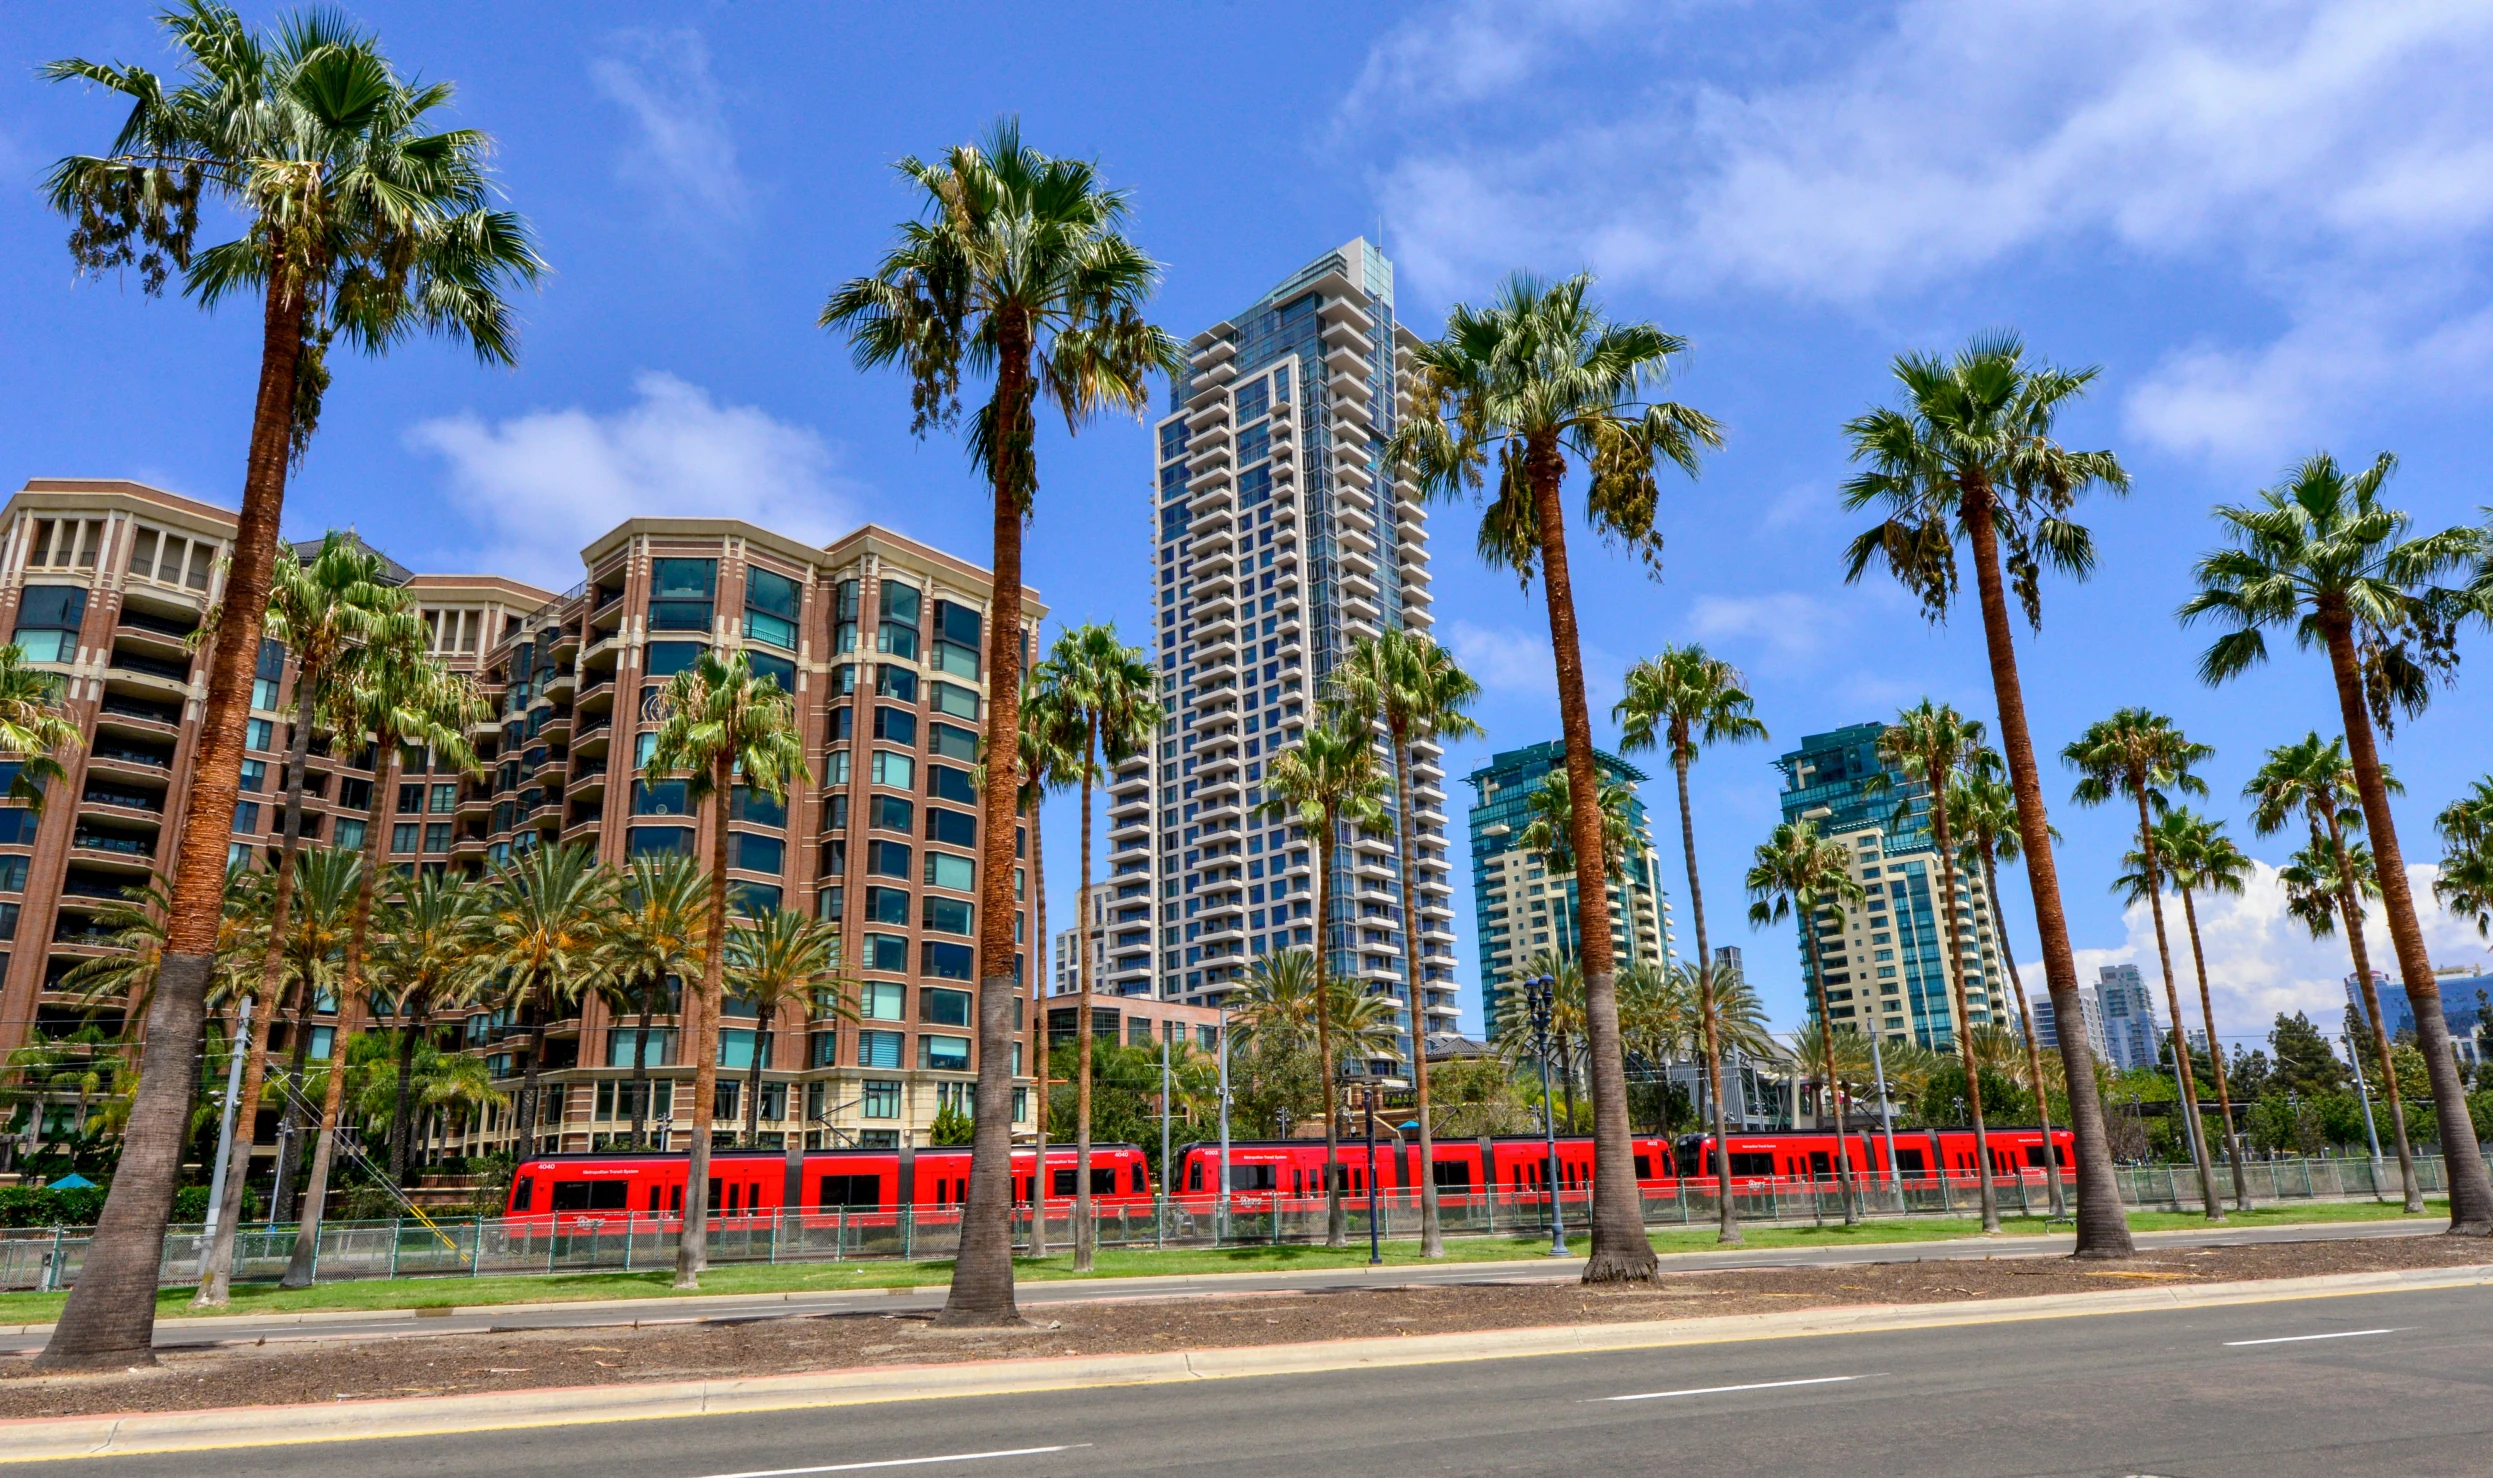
114	843
125	706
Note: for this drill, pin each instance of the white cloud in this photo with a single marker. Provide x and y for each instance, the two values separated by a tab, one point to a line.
2260	962
1514	666
1792	627
682	152
542	485
1469	51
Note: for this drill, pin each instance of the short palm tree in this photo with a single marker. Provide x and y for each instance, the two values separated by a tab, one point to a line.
1517	1035
1549	834
1970	457
327	882
2197	857
2465	885
1539	375
655	940
1276	1002
1020	265
1982	808
35	730
2145	757
1931	743
2322	555
359	223
1684	700
781	961
398	695
1404	680
1329	782
1660	1021
721	722
427	952
1106	692
2313	779
1798	872
549	938
1051	755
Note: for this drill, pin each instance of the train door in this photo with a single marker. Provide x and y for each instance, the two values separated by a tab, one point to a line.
1820	1167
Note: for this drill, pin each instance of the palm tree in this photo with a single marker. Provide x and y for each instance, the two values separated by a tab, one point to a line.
721	722
1050	755
2315	779
1970	456
428	951
2320	554
1931	743
1550	834
1685	699
2199	858
398	694
657	935
549	938
1516	1035
327	882
1105	692
1660	1021
1276	1002
1415	688
1982	807
2143	756
430	1081
1537	375
356	223
1020	265
35	730
1800	872
778	961
1330	780
322	613
2465	885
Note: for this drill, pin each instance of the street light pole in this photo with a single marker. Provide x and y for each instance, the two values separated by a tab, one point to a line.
1222	1216
2363	1095
1540	993
1886	1115
1376	1253
239	1049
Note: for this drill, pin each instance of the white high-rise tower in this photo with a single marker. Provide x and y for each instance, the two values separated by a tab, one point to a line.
1278	540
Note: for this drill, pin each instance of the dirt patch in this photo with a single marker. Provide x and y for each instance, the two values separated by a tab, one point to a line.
291	1373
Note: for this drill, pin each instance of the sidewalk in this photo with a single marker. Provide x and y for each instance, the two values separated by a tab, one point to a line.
46	1439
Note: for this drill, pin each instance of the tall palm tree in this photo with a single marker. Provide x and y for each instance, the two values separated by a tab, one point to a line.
357	222
1328	782
1051	755
658	933
1982	807
1797	871
1276	1002
1403	679
1685	699
2316	780
327	882
2199	858
779	961
1020	265
549	939
428	953
2322	555
1970	457
2145	757
322	612
722	722
2465	885
399	695
1106	691
1540	374
1932	743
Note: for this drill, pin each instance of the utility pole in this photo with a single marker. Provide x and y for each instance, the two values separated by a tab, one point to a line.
1540	993
239	1048
1221	1215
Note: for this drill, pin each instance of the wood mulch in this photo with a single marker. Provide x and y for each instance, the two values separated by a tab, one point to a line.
291	1372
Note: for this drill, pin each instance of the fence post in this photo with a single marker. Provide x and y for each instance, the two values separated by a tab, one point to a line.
476	1253
839	1234
627	1240
52	1269
774	1239
908	1234
398	1226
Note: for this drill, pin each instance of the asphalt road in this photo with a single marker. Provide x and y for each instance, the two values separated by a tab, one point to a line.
173	1333
2385	1383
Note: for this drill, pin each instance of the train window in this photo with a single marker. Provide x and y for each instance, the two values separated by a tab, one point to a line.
2034	1155
1253	1178
714	1193
675	1199
836	1191
586	1195
732	1192
1820	1167
1452	1175
1139	1187
1752	1164
1644	1167
1103	1182
1061	1182
521	1192
1194	1176
654	1193
1910	1161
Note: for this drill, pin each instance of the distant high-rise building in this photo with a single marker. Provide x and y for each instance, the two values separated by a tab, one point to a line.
2131	1036
2460	1008
1067	973
1518	911
2090	1007
1278	539
1883	961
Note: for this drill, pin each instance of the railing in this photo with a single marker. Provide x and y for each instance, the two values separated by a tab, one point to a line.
571	1242
154	713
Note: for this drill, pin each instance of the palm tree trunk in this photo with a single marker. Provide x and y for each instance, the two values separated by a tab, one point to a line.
1621	1252
1432	1242
217	1275
2471	1195
2102	1226
1826	1040
290	1126
1038	1035
2172	997
1728	1229
2216	1055
1085	1220
753	1077
1952	962
692	1251
2359	950
1336	1224
401	1102
350	1020
2025	1023
640	1076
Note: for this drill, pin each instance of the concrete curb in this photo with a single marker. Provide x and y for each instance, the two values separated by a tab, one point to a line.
55	1438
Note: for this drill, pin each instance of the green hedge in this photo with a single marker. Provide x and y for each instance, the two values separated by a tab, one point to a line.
31	1206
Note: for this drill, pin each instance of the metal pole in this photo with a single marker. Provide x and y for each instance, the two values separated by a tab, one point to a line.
1540	993
1886	1115
1223	1217
225	1130
2363	1095
1376	1253
1161	1232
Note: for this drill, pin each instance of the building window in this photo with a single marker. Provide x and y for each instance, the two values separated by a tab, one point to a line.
755	900
758	853
437	836
887	906
667	658
946	783
952	828
895	682
444	800
896	725
648	841
887	859
954	701
680	593
770	604
940	1007
886	952
946	961
659	798
410	800
897	635
882	1098
944	1054
161	557
349	835
880	1000
65	544
946	915
403	836
943	870
946	742
48	617
891	813
844	623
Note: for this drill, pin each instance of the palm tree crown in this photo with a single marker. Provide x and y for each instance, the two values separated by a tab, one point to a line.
34	728
1684	699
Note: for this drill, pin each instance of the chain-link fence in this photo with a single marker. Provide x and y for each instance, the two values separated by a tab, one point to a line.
48	1259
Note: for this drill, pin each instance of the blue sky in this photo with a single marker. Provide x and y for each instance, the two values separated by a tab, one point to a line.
2268	227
